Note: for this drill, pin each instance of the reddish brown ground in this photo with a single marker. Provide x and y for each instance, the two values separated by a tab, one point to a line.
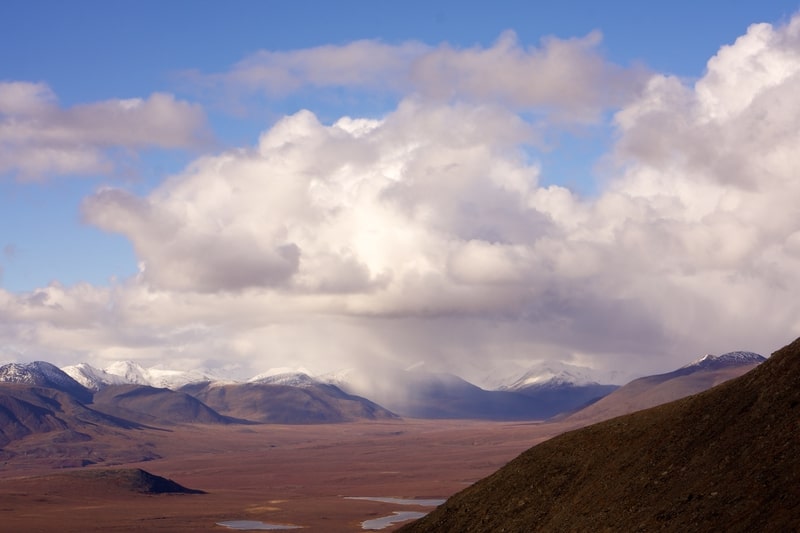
278	474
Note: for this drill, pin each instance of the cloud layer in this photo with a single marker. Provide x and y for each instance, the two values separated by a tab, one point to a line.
426	235
568	79
38	138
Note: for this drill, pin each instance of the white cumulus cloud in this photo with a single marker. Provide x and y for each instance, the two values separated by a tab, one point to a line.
38	138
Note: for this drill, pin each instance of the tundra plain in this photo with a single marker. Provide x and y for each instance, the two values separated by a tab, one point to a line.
285	474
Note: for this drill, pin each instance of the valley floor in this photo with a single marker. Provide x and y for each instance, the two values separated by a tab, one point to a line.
287	474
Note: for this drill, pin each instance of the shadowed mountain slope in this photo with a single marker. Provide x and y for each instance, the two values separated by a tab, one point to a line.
103	481
727	459
556	399
27	410
650	391
439	395
44	374
150	405
283	404
130	479
432	395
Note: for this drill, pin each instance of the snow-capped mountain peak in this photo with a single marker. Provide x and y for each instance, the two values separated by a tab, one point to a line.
43	374
738	358
544	374
92	378
299	377
548	377
35	373
19	373
130	371
175	379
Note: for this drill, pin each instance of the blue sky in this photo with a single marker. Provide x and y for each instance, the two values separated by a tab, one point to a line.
90	56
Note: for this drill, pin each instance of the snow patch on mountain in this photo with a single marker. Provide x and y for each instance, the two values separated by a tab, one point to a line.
175	379
549	378
546	374
130	372
35	373
738	358
43	374
92	378
299	377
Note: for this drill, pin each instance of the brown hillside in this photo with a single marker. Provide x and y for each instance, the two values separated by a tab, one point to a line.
282	404
650	391
49	428
121	479
150	405
727	459
30	410
102	482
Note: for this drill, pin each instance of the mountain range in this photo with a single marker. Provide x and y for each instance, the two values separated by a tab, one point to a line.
40	399
297	401
420	394
44	374
46	413
72	403
542	391
132	373
539	394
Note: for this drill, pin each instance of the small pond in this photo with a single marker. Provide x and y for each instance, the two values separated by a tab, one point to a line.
394	518
398	501
255	525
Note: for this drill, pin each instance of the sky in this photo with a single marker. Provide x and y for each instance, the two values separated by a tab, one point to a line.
447	185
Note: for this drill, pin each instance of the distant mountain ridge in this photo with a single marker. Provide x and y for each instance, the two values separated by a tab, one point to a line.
156	406
544	390
308	402
39	399
551	375
417	393
544	373
725	360
93	378
289	378
132	373
58	412
34	409
43	374
649	391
